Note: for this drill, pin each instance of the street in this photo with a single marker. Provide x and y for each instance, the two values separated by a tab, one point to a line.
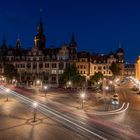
87	124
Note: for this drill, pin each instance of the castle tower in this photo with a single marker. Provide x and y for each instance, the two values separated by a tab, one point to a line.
3	46
120	59
40	40
73	48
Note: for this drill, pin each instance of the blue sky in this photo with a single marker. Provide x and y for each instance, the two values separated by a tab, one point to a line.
99	25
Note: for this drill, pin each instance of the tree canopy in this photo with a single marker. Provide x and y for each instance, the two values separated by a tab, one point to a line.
10	71
115	69
71	74
96	77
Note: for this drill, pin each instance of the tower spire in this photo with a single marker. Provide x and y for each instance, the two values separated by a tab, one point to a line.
4	40
40	40
73	42
4	46
18	43
40	26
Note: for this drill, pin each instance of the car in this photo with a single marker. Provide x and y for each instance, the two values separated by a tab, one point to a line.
115	99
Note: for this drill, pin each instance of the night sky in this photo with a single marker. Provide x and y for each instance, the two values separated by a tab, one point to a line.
99	25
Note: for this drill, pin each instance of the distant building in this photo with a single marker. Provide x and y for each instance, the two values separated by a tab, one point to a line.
89	64
138	68
130	70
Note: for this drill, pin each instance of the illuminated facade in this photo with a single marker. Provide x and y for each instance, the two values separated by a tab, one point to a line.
138	69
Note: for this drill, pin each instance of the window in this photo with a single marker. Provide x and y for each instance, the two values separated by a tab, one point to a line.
99	67
40	58
61	71
61	65
46	65
54	65
53	78
34	59
53	71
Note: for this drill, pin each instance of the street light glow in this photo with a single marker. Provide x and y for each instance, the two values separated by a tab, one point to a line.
35	104
45	87
38	81
7	90
106	87
69	82
83	95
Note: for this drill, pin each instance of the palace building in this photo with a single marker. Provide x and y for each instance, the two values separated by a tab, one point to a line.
48	63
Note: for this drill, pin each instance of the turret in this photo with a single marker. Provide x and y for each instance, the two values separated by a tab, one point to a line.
18	44
40	40
73	48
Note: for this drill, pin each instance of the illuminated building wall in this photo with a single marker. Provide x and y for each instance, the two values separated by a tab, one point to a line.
138	69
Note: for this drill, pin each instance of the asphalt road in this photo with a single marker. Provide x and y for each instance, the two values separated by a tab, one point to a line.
120	126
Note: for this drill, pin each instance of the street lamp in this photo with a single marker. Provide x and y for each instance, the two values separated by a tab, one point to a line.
106	88
45	88
83	95
7	92
38	82
69	84
87	78
34	106
110	82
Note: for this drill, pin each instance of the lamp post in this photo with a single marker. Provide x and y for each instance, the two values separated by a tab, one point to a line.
39	84
69	83
82	99
106	88
45	89
7	92
87	78
34	115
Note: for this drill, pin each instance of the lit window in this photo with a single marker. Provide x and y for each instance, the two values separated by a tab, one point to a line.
53	71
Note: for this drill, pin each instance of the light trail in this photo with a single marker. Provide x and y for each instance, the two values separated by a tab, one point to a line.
113	112
45	110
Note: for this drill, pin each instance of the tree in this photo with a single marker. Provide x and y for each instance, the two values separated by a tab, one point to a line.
10	71
96	77
115	69
71	74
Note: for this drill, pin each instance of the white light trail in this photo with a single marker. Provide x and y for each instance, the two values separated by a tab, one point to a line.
45	110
